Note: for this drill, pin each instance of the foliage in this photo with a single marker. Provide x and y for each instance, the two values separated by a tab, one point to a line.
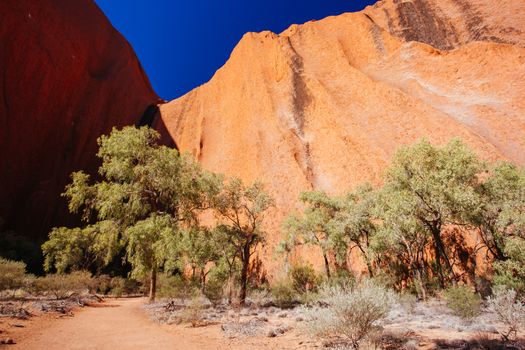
343	279
304	279
12	274
81	248
147	192
62	286
509	310
200	248
240	211
283	294
353	313
176	286
193	312
314	225
100	284
463	301
353	225
502	214
214	291
511	272
260	297
117	286
436	186
401	239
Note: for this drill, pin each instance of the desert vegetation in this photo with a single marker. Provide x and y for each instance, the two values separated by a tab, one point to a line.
190	237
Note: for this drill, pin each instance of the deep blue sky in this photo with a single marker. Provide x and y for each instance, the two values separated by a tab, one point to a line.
181	43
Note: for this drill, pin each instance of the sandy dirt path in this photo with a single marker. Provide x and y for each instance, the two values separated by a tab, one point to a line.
123	324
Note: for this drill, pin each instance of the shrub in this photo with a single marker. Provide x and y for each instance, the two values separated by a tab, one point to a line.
193	312
117	286
284	295
343	279
509	310
177	286
463	301
304	279
12	274
214	290
101	284
63	286
260	297
351	313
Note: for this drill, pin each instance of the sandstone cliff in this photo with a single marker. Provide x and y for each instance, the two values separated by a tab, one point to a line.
67	76
324	105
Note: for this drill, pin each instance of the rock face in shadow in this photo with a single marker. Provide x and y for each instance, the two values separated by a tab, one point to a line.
66	77
324	105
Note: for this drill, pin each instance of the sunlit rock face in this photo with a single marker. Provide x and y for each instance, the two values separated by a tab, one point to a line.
67	76
448	24
324	105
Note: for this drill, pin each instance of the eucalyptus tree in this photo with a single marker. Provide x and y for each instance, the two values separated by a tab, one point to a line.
240	211
439	184
145	193
81	248
200	248
401	238
501	223
354	225
315	225
502	214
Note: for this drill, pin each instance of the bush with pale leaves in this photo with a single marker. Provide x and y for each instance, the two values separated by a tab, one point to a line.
509	310
352	313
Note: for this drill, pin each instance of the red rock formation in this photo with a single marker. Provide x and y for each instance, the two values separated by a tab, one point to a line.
447	24
67	76
325	105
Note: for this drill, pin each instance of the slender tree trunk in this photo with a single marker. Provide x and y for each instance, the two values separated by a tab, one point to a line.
244	273
203	280
326	265
230	284
367	260
153	283
440	252
418	279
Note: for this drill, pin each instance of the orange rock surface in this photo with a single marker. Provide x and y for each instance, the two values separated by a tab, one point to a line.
324	105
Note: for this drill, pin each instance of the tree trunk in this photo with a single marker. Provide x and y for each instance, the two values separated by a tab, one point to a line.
418	279
244	273
203	280
153	284
367	260
440	252
326	265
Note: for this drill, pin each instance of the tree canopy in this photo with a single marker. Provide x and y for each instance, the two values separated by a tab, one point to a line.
146	194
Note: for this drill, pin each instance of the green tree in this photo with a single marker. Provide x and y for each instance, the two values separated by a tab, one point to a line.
401	236
314	225
200	247
354	225
79	248
502	214
148	192
240	211
511	271
440	184
228	263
